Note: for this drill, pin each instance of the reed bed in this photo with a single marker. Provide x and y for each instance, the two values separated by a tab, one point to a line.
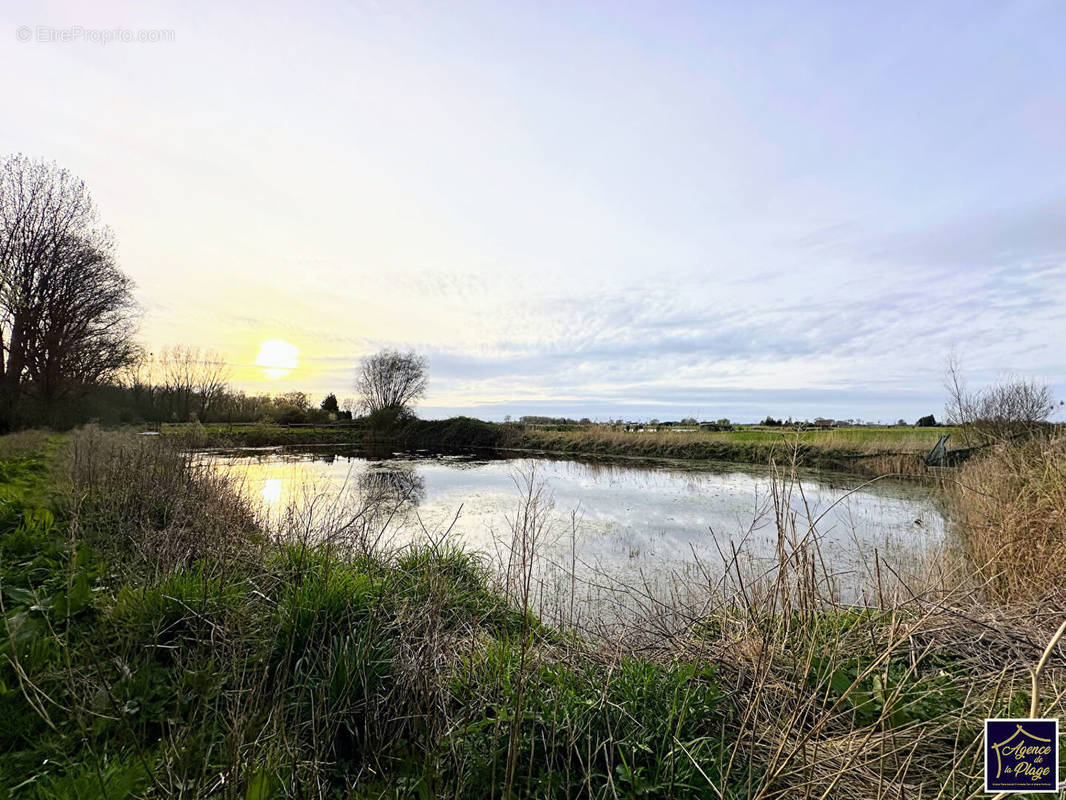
1012	506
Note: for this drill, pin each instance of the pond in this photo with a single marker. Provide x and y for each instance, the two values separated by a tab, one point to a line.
609	524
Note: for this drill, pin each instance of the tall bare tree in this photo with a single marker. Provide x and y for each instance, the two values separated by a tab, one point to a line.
66	309
390	380
192	379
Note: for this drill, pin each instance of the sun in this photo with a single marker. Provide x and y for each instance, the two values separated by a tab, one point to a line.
277	358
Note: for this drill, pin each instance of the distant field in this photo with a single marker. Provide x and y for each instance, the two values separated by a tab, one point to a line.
865	439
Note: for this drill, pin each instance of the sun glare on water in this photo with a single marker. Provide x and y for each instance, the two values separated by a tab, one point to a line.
271	491
277	358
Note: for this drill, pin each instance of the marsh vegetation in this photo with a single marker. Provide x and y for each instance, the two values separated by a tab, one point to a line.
164	638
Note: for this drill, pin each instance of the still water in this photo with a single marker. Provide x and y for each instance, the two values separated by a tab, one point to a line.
606	523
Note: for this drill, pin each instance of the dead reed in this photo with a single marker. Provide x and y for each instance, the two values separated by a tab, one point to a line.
1010	506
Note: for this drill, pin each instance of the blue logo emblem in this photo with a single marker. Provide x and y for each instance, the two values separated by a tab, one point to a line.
1021	755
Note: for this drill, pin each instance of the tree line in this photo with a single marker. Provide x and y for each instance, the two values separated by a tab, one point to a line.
185	384
188	384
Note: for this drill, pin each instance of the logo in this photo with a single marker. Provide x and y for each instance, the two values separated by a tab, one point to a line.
1021	755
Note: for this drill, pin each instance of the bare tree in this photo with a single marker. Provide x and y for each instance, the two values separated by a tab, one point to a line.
390	380
1006	409
175	367
66	309
212	380
192	379
84	322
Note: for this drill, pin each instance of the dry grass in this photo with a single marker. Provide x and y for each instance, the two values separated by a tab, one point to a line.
142	494
882	699
1010	506
22	443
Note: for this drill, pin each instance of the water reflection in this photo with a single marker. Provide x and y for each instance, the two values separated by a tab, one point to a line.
393	484
611	523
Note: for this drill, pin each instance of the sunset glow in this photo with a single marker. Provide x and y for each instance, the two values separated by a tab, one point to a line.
277	358
523	225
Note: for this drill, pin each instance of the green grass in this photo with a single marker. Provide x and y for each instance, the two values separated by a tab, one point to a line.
156	644
879	437
457	432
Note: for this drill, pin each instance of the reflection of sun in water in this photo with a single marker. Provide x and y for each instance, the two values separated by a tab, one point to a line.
271	491
277	358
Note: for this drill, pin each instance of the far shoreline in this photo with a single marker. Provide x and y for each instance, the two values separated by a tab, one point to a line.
898	451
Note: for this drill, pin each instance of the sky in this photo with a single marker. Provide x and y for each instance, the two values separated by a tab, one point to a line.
589	209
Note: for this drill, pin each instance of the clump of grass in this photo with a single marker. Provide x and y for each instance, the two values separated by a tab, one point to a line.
587	723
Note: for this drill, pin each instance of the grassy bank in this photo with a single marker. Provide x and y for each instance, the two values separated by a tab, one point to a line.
872	451
160	641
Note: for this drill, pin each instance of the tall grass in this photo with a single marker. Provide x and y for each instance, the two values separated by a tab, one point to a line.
1011	505
161	639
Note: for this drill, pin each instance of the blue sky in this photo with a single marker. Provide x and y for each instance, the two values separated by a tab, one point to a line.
658	210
